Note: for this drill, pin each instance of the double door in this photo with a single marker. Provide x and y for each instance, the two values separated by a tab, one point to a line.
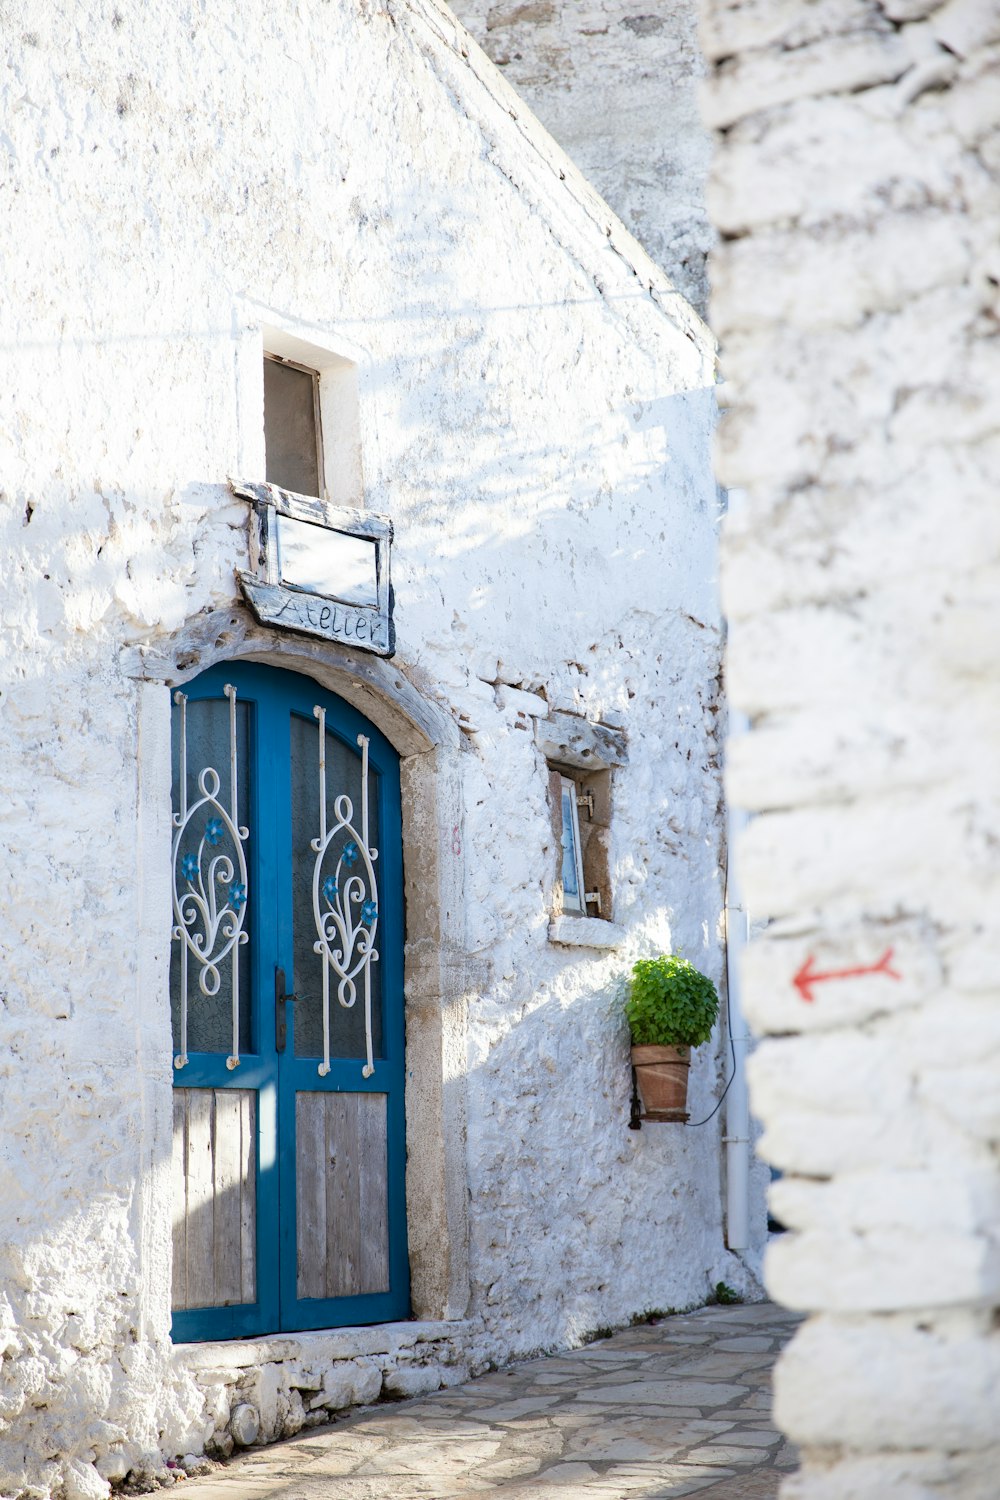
286	1000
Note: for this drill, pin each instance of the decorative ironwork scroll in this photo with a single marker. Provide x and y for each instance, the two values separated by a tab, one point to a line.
210	886
345	900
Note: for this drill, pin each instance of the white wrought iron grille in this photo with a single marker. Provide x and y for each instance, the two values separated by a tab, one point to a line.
345	900
210	886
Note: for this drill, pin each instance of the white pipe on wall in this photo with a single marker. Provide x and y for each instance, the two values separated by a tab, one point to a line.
737	1136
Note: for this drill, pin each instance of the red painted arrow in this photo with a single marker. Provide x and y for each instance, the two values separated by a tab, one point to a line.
808	976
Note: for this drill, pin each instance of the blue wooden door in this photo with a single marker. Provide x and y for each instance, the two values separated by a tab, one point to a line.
287	1007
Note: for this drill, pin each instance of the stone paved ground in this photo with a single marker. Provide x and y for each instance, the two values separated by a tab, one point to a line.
657	1412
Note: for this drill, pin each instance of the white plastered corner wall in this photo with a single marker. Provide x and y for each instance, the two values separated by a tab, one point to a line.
855	292
535	407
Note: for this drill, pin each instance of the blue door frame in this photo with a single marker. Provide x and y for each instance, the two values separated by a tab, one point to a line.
277	1076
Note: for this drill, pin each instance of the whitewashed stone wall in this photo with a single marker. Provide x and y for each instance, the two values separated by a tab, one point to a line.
855	294
616	83
535	410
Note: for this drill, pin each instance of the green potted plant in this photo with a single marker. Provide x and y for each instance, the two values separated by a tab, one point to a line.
670	1008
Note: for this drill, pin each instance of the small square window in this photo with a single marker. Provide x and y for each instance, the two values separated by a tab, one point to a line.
292	433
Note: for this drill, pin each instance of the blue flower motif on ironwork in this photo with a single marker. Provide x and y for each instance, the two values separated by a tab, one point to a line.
351	854
189	867
368	913
330	888
237	895
214	830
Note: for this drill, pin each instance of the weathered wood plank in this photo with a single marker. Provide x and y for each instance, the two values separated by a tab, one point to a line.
200	1200
319	512
373	1184
248	1195
310	1195
343	1220
226	1192
331	619
342	1194
178	1184
214	1177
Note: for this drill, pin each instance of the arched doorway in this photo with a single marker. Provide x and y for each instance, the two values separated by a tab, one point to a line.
287	1010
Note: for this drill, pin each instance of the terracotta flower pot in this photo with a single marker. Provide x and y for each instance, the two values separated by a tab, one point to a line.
662	1076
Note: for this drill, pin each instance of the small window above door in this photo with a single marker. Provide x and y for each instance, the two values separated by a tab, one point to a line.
293	438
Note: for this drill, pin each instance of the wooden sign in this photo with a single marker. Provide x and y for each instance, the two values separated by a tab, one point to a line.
318	569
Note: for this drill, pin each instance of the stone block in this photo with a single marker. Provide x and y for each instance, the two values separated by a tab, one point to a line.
571	740
265	1392
195	1465
517	701
890	1384
487	667
726	28
295	1415
113	1466
968	1203
338	1390
842	1072
975	108
863	859
217	1405
414	1380
764	80
586	932
351	1383
215	1375
244	1425
367	1381
882	1270
903	1476
788	173
83	1482
862	271
965	26
968	1095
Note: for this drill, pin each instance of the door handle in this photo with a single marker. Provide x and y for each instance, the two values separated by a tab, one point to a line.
280	1014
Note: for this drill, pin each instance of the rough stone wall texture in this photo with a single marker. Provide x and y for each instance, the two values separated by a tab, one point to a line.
238	1393
616	83
535	416
856	194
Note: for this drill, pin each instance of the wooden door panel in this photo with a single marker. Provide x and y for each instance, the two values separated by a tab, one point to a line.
341	1194
289	1154
215	1197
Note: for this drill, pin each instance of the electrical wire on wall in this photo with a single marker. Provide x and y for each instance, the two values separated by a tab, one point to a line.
693	1124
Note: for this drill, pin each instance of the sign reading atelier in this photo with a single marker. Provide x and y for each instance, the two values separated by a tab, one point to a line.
318	569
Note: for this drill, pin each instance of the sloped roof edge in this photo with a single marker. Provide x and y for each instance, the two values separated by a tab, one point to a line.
451	41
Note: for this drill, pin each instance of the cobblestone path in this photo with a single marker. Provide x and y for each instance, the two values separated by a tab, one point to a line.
654	1413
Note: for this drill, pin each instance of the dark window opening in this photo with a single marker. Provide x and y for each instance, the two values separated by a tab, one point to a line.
291	426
